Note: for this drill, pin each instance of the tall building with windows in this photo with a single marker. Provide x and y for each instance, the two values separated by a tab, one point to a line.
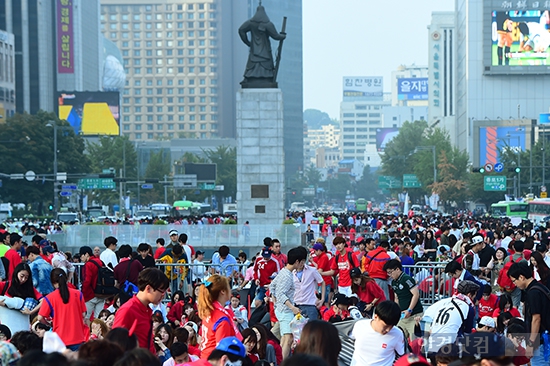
7	75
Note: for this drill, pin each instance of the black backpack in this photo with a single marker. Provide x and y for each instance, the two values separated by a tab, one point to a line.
6	264
105	285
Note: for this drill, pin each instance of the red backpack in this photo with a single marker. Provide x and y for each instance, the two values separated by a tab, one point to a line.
503	280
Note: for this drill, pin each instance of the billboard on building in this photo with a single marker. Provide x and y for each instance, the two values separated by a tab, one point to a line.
363	86
520	37
91	113
412	89
494	139
65	43
385	135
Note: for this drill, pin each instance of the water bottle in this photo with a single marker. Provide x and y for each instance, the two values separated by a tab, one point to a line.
546	346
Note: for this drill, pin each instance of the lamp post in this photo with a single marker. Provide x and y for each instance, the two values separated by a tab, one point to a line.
55	198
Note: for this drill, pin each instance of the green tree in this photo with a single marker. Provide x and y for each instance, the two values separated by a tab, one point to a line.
452	180
225	158
316	118
27	144
367	186
116	152
157	168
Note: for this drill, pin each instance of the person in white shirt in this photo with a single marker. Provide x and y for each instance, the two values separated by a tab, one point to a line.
378	340
108	256
198	269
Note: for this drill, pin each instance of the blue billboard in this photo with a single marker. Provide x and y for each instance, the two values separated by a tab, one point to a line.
412	89
493	139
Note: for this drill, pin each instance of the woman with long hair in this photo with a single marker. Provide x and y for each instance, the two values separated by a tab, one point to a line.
266	351
430	245
217	322
163	341
495	266
505	304
366	289
320	338
250	342
541	272
66	308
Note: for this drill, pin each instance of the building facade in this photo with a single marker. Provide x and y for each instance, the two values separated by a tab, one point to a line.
409	86
7	75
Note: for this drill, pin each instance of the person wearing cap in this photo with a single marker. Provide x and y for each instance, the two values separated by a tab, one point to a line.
407	296
265	269
537	314
486	324
228	352
338	310
378	341
322	262
176	274
12	255
411	360
283	291
173	238
306	281
452	317
471	260
90	271
40	271
108	256
198	270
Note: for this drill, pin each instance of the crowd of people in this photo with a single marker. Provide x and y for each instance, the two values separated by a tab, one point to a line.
354	283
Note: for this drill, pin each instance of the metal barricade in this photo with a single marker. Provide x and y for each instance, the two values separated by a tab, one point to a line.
433	284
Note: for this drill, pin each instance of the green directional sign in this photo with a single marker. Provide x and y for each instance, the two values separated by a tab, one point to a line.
388	182
96	183
411	181
207	186
494	183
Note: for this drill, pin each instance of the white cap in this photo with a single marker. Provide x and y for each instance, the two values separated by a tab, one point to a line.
487	321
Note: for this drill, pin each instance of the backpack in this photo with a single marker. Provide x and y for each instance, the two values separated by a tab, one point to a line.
105	285
127	289
503	280
6	264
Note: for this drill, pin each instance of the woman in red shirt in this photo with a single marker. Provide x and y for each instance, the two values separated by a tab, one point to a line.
66	307
217	322
505	304
366	288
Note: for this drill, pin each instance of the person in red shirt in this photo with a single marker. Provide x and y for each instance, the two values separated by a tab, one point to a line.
12	254
265	269
322	262
352	233
66	307
160	248
373	263
366	288
488	302
136	314
506	304
217	322
338	309
277	254
342	265
89	281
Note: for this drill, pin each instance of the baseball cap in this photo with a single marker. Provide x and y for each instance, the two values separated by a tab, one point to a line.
466	287
232	345
411	359
173	232
317	246
487	321
340	299
44	243
266	252
477	239
355	272
48	249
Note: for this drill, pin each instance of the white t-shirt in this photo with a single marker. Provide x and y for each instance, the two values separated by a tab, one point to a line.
373	348
446	322
108	256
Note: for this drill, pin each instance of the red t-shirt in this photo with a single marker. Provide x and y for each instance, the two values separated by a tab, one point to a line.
487	307
342	266
135	312
278	351
89	278
330	313
14	259
159	252
264	269
193	350
67	318
323	263
215	328
370	292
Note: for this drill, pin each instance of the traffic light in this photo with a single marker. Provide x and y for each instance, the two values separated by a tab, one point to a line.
515	170
518	169
50	207
478	170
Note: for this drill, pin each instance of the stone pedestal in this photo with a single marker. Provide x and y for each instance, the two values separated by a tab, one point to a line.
260	157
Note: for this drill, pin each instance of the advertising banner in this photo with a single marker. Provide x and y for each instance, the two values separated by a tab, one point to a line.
363	86
65	43
385	135
91	113
412	89
494	139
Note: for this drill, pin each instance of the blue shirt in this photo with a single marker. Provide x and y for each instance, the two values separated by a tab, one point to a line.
41	276
225	267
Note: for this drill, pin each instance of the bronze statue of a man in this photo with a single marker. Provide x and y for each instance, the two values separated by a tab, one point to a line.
260	70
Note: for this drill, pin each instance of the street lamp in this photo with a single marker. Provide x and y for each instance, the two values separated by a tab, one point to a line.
426	148
55	198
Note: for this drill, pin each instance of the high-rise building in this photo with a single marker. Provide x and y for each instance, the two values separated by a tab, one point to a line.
58	46
409	86
7	75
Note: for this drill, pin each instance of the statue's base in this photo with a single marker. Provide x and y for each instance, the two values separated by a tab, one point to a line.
259	84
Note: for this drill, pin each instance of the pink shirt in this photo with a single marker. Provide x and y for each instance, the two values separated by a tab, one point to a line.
305	288
249	274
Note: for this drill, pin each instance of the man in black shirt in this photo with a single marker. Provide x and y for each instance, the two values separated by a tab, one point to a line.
537	312
144	257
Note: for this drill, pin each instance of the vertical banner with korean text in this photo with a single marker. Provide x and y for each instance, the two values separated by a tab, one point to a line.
65	41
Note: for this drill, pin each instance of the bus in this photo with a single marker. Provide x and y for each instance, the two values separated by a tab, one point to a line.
186	208
509	209
361	205
161	210
539	210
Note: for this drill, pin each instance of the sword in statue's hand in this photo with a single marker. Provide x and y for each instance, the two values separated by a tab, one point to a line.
279	52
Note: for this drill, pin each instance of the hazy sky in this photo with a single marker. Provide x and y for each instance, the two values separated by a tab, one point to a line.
361	38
